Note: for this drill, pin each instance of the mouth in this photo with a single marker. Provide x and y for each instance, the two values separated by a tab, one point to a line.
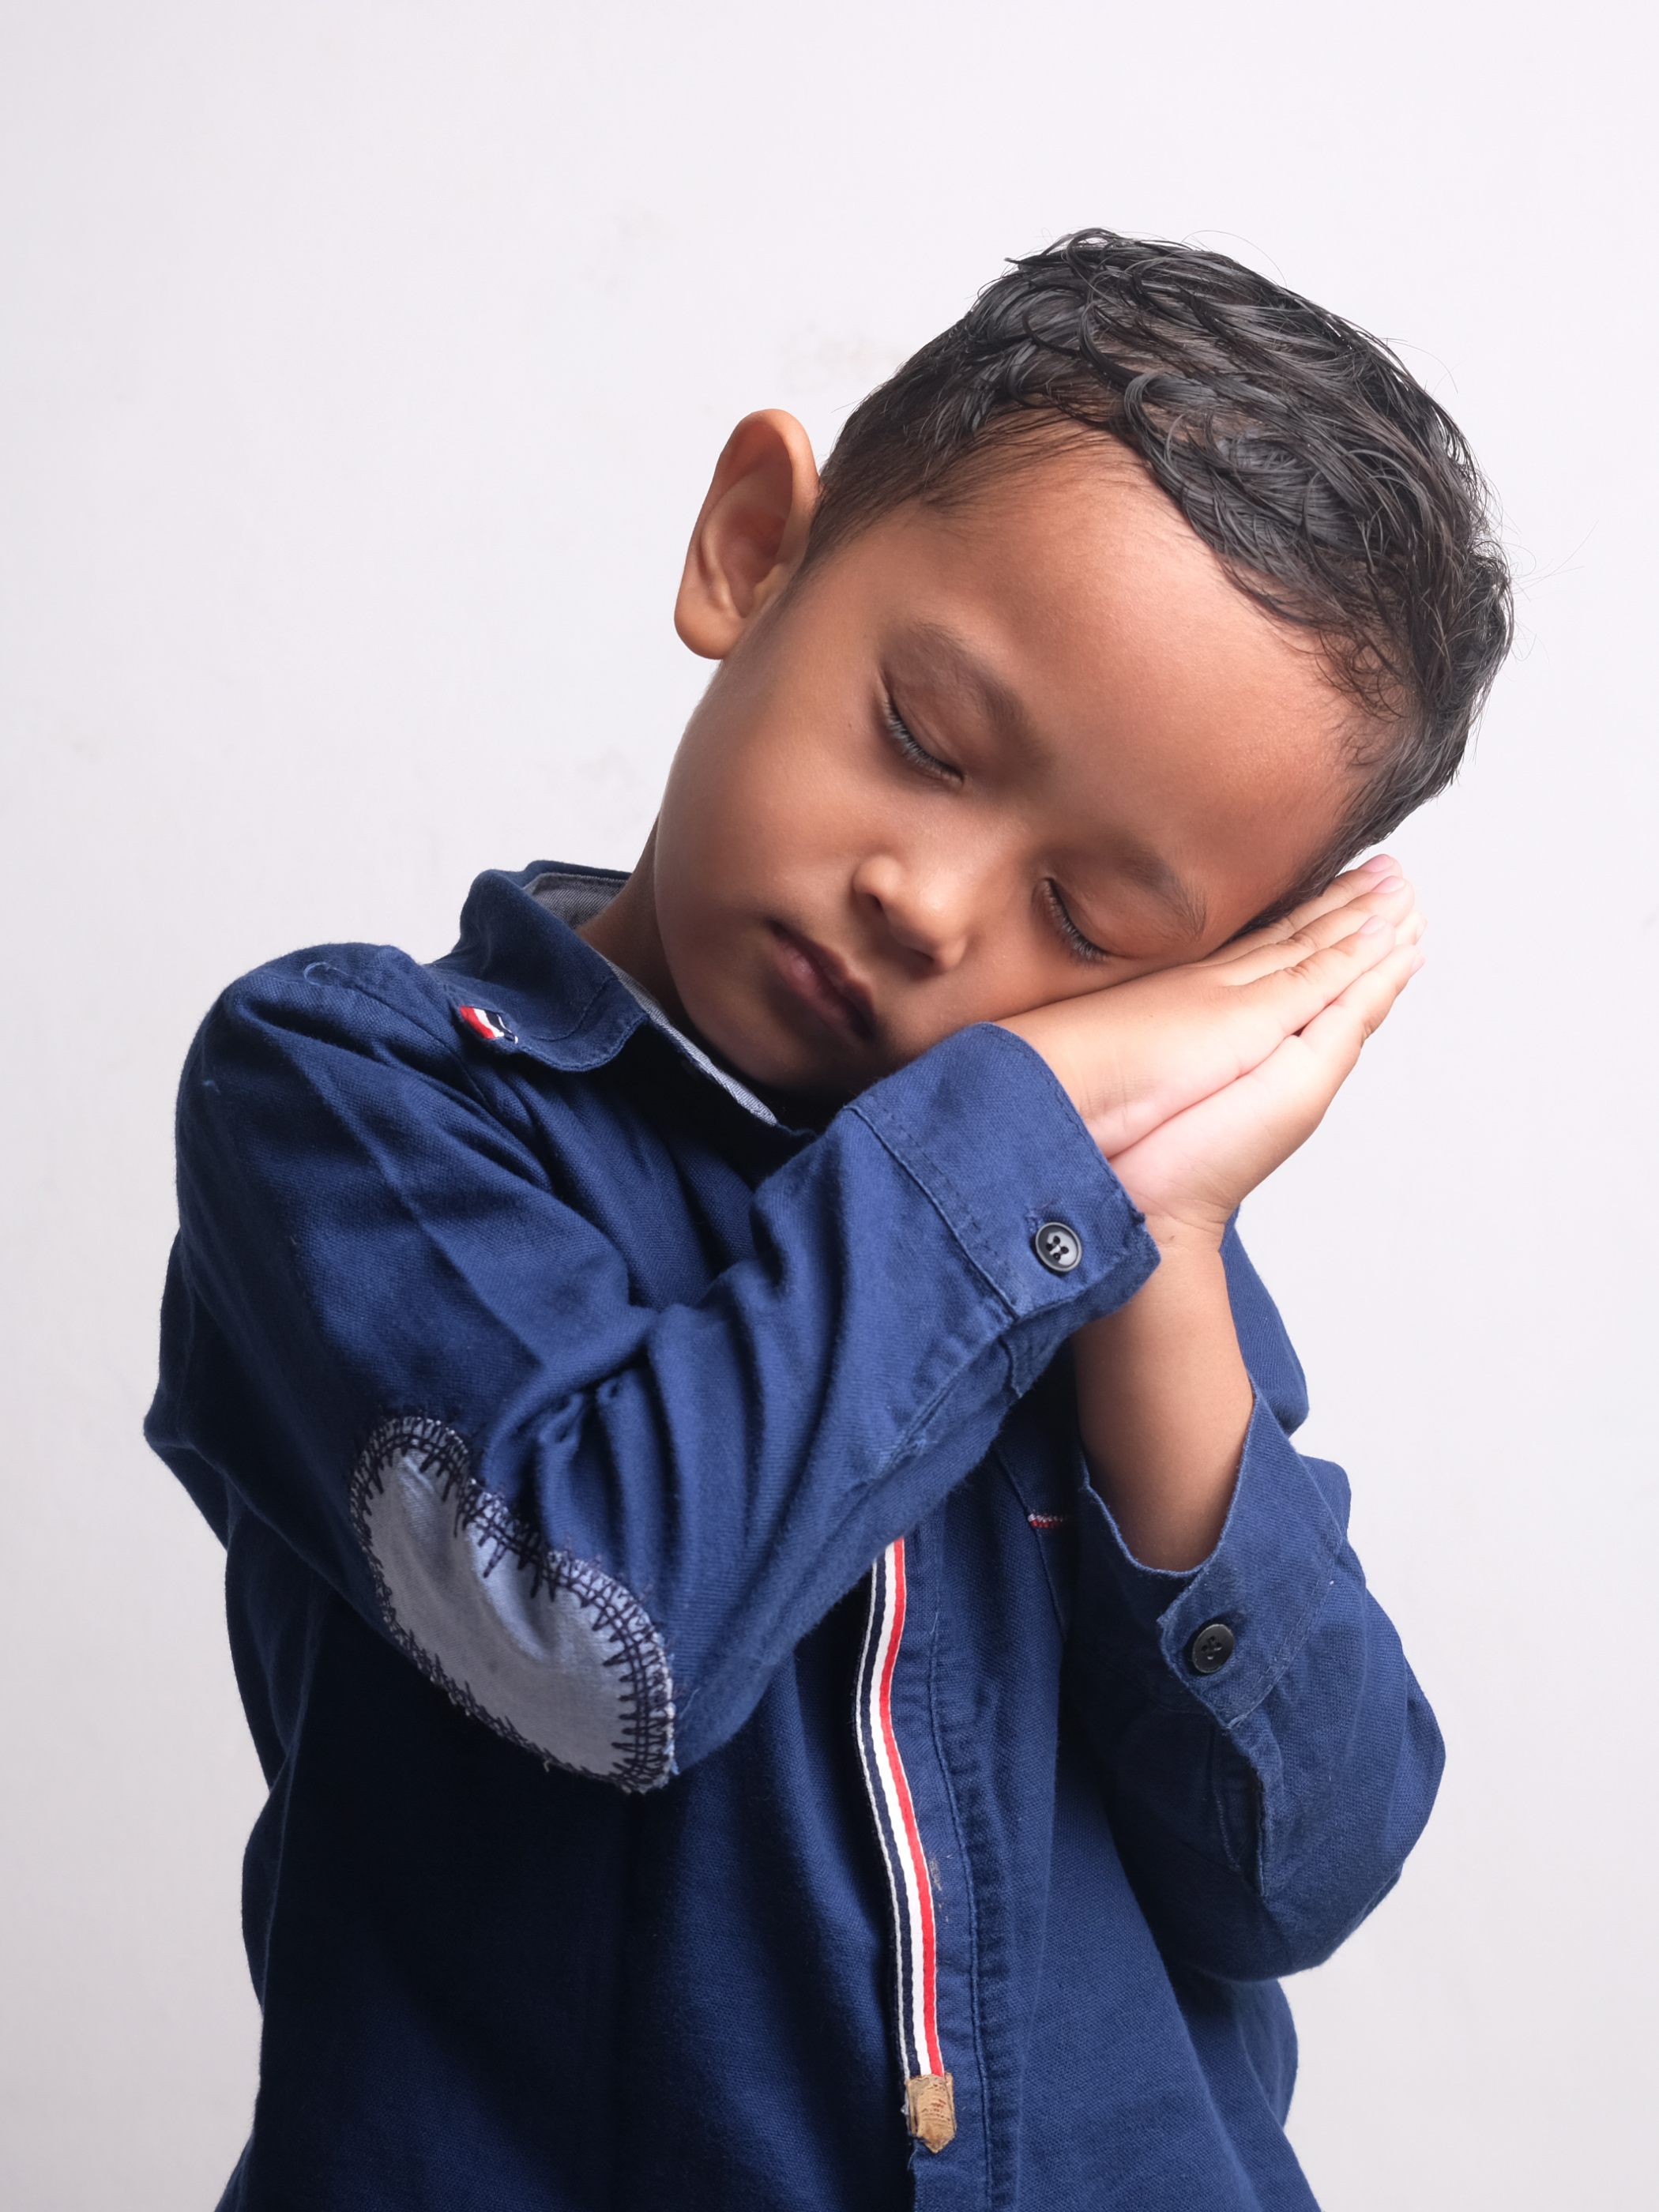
821	981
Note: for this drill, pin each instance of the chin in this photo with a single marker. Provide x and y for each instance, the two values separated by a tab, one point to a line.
783	1064
745	1046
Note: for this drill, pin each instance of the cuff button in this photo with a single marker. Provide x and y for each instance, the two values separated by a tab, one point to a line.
1212	1648
1059	1247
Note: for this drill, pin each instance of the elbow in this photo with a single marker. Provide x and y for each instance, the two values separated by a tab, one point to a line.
1303	1874
1236	1934
542	1647
1342	1866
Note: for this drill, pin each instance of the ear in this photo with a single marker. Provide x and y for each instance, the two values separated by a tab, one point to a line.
750	534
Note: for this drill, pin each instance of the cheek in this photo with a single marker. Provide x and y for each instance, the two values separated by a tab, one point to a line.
740	846
765	820
1012	970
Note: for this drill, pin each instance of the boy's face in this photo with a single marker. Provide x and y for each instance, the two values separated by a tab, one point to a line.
977	762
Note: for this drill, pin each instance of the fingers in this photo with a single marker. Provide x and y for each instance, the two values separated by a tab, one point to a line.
1352	884
1372	997
1321	1055
1325	1054
1290	995
1132	1056
1330	951
1376	874
1291	942
1197	1164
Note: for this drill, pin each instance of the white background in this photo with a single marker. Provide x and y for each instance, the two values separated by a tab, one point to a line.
361	368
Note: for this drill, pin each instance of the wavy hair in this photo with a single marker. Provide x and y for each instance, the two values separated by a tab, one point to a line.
1337	493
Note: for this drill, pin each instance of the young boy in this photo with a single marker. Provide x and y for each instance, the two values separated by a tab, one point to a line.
797	1664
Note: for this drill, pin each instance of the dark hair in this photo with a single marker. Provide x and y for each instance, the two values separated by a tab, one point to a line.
1338	494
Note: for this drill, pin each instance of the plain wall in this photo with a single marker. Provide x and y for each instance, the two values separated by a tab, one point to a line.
363	365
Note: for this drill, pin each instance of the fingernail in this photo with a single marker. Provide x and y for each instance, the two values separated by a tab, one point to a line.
1418	960
1371	924
1379	861
1388	883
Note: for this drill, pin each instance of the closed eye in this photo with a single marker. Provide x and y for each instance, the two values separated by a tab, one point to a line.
1082	947
905	743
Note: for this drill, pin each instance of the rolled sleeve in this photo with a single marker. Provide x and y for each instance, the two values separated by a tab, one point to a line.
1264	1808
1265	1581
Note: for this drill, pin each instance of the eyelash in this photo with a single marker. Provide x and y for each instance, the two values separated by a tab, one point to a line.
904	740
1083	947
918	754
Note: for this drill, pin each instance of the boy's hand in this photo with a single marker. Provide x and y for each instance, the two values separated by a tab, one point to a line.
1192	1172
1197	1081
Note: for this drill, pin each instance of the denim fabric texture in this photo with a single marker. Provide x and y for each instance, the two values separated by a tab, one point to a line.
552	1405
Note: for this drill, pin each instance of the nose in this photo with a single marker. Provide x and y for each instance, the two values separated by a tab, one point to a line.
927	907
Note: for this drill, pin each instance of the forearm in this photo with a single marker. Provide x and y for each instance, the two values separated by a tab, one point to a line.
1255	1845
1196	1083
1164	1403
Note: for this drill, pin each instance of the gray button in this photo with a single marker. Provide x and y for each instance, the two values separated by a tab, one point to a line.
1058	1246
1212	1648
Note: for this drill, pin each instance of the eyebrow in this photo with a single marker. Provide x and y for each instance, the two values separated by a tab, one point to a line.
951	661
1154	874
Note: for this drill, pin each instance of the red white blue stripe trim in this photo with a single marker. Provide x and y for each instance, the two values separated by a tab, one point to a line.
485	1022
911	1893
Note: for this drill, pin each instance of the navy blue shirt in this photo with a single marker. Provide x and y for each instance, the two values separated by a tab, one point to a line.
721	1753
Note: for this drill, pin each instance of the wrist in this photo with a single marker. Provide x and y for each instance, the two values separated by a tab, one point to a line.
1164	1403
1188	1238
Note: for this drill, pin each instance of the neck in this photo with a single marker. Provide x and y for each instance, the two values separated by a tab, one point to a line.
626	932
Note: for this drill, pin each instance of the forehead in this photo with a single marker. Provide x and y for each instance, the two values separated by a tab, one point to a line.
1066	608
1076	551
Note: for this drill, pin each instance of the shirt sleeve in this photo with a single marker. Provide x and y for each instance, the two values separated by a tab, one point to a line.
392	1332
1262	1807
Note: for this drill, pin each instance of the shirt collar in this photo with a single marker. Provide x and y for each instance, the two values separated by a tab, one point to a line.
577	896
564	1003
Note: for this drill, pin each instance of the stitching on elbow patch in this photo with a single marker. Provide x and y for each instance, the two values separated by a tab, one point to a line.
543	1647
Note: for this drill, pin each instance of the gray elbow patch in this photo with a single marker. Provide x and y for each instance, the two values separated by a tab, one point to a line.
542	1648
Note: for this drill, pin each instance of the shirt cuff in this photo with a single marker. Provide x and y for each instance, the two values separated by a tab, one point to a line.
982	1127
1265	1582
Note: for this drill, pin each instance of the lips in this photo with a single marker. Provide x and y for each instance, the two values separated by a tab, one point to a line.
821	981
